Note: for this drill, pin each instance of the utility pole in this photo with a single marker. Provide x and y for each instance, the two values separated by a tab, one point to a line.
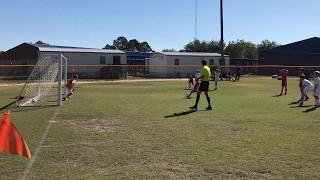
196	21
221	21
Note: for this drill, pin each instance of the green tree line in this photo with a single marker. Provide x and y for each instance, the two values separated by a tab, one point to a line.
235	49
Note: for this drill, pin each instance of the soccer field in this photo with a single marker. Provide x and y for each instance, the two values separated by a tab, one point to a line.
145	130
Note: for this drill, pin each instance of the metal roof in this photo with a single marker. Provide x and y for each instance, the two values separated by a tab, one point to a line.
53	48
305	48
191	54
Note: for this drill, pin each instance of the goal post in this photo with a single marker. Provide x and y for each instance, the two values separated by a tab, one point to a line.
45	83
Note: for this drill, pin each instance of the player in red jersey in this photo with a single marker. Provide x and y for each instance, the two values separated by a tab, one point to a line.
70	86
284	73
301	72
190	80
195	88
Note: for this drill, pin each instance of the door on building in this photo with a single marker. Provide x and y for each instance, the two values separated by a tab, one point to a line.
116	60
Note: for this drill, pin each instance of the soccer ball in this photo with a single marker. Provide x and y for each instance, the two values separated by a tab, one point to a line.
187	95
33	101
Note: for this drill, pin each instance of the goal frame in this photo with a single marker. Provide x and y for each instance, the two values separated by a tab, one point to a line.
62	73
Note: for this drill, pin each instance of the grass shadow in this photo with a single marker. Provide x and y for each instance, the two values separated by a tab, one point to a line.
310	110
181	114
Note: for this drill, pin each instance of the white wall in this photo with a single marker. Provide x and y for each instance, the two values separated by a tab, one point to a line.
195	61
88	59
158	59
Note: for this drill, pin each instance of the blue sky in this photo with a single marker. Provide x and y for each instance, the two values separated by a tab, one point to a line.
164	24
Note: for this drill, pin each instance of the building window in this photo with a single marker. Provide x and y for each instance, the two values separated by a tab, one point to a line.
116	60
176	61
102	60
222	62
211	61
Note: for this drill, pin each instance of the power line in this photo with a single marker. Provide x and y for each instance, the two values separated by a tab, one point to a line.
196	21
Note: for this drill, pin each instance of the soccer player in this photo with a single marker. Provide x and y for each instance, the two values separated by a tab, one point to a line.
316	90
197	75
195	88
307	87
190	80
70	87
301	72
284	73
216	78
238	73
204	85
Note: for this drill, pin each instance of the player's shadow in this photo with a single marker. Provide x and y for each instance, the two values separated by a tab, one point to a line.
310	110
278	95
303	106
295	102
181	114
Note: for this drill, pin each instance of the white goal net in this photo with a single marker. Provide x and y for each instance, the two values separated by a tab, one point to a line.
44	85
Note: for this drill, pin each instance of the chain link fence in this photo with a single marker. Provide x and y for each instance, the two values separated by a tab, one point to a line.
12	70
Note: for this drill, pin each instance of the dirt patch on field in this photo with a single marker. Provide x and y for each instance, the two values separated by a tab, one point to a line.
68	161
94	125
239	130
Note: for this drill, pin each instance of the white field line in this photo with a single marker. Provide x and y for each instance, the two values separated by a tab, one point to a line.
35	155
127	102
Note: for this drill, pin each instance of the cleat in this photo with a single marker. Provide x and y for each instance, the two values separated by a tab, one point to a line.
209	108
194	107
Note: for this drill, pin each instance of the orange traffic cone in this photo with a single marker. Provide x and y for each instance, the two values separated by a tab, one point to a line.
10	139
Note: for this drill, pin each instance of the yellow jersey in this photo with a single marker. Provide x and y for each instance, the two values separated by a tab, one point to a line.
205	71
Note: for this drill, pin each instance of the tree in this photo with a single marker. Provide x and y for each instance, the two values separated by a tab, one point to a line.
241	49
204	46
108	46
214	46
195	46
122	43
266	44
1	52
145	47
235	49
251	50
134	45
40	42
169	50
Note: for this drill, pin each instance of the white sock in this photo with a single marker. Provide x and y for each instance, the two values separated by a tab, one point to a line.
317	102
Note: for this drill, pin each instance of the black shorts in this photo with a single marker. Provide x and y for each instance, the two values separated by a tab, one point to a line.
204	86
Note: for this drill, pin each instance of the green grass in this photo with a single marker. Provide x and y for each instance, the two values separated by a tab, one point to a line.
144	130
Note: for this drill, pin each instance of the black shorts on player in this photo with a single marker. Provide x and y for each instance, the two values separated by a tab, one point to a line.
204	86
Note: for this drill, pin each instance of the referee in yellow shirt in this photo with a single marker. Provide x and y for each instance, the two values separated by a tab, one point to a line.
204	85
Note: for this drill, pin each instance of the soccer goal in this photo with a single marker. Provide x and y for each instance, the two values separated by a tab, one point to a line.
45	83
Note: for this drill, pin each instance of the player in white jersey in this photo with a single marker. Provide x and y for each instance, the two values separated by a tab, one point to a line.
197	75
307	87
216	78
316	90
